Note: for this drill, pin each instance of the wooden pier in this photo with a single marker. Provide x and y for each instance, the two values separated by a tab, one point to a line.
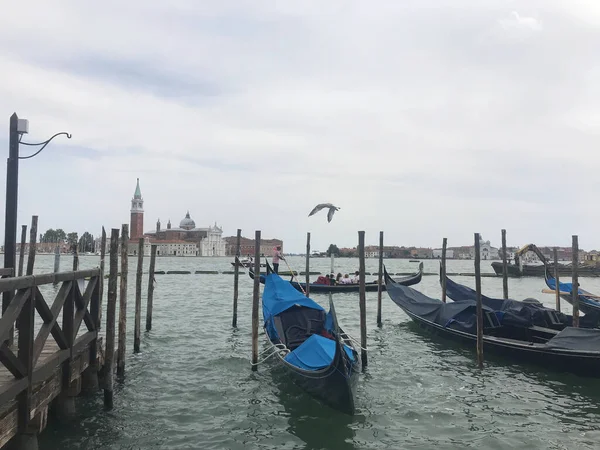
47	364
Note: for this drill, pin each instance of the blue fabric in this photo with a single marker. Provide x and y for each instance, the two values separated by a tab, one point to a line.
568	287
315	353
278	296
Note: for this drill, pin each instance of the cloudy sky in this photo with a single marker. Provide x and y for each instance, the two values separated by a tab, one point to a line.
425	119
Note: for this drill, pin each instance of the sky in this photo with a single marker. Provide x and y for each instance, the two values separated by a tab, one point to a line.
422	118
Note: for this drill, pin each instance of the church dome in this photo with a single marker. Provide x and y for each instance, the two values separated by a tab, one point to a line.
187	223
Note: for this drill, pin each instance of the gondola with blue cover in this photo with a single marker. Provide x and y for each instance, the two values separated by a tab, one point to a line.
588	302
318	355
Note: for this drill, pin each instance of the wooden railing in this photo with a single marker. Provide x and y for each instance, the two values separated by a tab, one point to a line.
76	308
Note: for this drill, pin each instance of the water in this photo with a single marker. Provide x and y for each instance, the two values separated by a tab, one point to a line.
192	387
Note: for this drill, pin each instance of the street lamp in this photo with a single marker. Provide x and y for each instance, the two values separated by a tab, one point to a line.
18	127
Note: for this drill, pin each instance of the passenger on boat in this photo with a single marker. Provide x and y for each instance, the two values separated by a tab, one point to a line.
338	278
276	257
346	280
331	279
322	280
356	277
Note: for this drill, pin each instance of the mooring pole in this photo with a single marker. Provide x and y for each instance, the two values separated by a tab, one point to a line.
236	278
255	295
307	264
444	244
479	307
138	297
556	279
22	249
56	259
75	257
379	279
575	288
123	301
504	267
362	298
111	309
32	245
150	287
102	255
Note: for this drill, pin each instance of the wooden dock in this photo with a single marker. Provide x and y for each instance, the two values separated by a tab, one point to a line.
50	363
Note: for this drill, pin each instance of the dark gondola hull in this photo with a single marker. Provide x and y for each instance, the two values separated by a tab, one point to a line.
564	361
331	385
539	270
455	321
342	288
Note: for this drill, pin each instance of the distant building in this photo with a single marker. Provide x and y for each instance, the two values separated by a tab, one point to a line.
437	253
186	240
247	246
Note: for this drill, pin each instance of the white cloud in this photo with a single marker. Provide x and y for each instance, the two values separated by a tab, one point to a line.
423	119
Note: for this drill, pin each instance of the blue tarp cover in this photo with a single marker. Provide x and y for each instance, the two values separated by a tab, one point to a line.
315	353
278	296
568	287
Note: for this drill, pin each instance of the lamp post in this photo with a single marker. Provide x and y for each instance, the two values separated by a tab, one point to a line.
18	127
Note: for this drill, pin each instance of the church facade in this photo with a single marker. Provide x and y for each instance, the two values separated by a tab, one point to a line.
185	240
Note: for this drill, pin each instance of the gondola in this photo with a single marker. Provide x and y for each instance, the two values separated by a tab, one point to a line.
310	345
341	288
575	350
529	313
587	304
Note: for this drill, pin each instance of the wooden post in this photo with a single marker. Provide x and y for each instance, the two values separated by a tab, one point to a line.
444	245
380	279
22	249
123	302
56	259
25	354
362	298
307	264
111	308
556	279
575	288
255	295
479	307
504	267
75	257
102	255
32	245
150	287
236	277
138	297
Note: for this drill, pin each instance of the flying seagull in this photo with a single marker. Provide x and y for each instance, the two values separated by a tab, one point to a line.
320	206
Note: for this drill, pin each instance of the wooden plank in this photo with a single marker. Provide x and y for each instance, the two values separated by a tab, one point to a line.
82	310
68	316
7	272
51	325
14	283
10	389
8	426
12	313
11	362
95	313
50	365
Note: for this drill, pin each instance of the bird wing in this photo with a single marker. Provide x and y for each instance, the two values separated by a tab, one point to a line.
317	208
330	214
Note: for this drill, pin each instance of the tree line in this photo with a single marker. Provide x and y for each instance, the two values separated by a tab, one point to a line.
85	243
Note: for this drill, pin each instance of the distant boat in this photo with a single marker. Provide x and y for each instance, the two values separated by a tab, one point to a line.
588	302
244	262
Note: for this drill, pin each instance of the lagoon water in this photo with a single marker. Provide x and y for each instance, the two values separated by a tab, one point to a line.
192	387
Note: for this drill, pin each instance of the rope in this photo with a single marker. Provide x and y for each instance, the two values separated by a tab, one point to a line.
353	339
291	270
274	349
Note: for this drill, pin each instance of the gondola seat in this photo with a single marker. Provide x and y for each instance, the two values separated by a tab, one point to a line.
297	324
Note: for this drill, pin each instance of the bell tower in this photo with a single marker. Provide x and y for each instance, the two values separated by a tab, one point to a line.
136	228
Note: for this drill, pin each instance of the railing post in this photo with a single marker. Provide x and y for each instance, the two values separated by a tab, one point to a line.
89	378
25	356
102	255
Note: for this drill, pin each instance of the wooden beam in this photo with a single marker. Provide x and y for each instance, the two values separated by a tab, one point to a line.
11	362
12	313
50	315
